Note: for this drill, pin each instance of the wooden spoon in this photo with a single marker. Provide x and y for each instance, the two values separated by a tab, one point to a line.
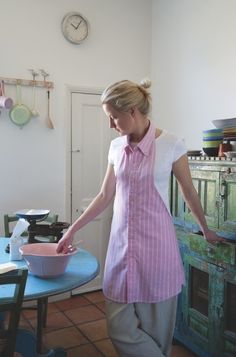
48	119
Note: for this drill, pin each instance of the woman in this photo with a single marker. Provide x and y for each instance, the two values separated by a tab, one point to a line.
143	270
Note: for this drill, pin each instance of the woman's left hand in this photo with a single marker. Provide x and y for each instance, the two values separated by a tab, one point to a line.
212	237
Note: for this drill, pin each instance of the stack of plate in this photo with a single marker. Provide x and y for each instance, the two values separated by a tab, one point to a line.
229	133
224	123
212	139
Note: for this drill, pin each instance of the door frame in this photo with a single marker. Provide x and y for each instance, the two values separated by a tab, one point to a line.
68	128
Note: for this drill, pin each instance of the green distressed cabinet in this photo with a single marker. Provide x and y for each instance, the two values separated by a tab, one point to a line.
206	316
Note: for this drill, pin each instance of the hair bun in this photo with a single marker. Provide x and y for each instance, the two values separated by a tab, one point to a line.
145	83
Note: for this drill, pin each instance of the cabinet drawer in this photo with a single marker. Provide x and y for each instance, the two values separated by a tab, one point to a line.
222	253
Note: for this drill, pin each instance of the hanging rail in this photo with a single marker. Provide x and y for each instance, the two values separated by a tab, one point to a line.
27	82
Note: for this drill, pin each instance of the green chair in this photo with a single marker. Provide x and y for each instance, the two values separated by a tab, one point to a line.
8	226
11	307
13	339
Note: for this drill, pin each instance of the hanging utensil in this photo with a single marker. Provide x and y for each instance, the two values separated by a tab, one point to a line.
33	110
20	114
48	119
44	74
5	102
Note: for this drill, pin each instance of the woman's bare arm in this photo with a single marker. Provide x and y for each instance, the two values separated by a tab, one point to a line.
98	205
182	173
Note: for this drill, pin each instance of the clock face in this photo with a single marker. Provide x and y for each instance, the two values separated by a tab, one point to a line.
75	27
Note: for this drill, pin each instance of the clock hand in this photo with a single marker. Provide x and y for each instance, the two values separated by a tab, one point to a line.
78	25
74	26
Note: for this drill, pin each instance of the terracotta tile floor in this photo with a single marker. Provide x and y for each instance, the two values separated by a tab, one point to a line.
78	324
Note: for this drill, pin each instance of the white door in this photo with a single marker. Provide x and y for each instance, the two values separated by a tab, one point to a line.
90	139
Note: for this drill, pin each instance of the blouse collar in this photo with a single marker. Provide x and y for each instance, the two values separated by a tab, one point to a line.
145	144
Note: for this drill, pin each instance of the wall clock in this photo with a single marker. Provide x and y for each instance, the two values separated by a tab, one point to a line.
74	27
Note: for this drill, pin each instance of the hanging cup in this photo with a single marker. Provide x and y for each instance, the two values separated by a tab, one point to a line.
5	102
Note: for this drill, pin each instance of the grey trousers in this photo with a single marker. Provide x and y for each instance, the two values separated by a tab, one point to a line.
140	329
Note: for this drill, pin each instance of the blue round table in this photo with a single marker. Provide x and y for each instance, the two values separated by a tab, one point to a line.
82	268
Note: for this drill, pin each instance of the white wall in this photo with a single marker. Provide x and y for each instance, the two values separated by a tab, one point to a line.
33	159
193	65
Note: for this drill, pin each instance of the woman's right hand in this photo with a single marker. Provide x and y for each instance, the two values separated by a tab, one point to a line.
65	243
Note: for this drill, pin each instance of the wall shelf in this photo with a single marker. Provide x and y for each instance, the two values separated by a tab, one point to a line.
27	82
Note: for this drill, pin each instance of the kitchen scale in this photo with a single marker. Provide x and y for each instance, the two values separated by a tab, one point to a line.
34	216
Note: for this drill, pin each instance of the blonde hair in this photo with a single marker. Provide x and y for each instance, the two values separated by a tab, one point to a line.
125	94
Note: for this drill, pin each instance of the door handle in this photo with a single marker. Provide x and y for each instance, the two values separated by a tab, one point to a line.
76	150
223	190
220	311
80	210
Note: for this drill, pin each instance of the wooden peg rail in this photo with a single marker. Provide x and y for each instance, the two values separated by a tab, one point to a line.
27	82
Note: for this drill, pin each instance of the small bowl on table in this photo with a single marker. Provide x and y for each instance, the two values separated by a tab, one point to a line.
43	260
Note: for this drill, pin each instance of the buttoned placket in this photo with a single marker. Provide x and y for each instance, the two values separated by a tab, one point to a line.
134	159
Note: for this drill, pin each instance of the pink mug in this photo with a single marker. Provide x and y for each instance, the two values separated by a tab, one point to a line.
5	102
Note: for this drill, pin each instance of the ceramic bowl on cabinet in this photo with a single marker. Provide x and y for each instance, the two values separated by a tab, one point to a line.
211	151
230	154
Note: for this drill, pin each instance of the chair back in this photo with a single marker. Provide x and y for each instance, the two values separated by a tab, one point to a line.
9	219
10	309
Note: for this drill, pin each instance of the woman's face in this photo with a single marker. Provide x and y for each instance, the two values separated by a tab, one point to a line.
122	122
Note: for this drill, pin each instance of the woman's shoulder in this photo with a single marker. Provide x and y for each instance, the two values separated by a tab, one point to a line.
117	145
116	148
119	141
170	143
164	136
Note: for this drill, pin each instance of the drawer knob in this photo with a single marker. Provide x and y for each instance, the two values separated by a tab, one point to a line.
220	269
223	190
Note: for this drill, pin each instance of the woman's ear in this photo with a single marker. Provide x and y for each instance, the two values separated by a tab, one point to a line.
132	111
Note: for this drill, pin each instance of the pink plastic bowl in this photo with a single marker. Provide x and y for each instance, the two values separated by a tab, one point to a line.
43	260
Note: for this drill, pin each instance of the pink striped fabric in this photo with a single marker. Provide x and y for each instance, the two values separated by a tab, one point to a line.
143	263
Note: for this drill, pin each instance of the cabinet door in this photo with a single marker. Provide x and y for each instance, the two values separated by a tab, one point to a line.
227	206
201	299
207	185
227	314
